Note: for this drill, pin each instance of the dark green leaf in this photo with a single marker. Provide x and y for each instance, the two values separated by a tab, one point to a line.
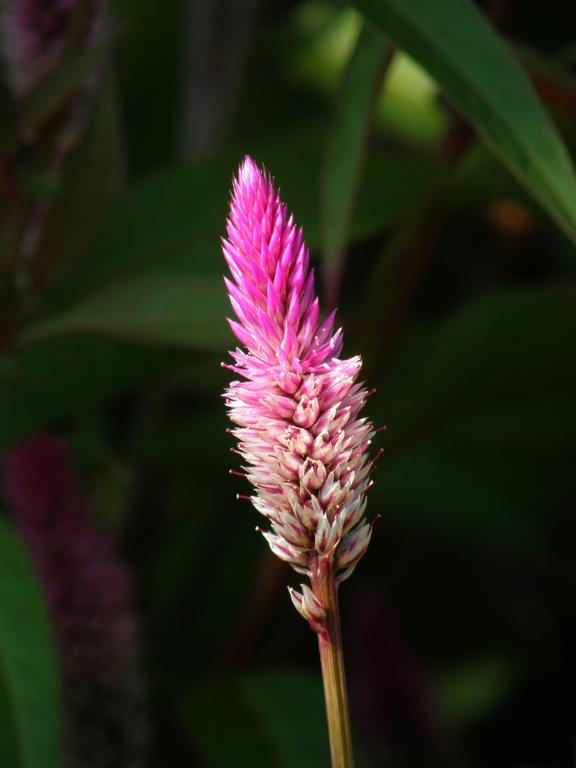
471	689
152	32
356	102
484	416
172	221
549	73
152	309
61	377
275	720
455	44
29	688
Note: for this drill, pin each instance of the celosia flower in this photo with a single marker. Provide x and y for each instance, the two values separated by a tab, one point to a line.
33	34
89	597
297	406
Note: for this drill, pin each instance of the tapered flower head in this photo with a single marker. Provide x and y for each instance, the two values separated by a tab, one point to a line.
296	407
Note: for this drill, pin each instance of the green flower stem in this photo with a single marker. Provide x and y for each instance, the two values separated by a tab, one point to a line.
332	662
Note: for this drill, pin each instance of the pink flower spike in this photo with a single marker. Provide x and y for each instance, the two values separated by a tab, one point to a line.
304	445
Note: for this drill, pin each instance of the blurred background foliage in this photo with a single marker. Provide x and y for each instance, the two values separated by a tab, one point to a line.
425	148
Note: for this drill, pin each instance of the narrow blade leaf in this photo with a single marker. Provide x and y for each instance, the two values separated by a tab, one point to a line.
29	690
356	101
178	311
454	43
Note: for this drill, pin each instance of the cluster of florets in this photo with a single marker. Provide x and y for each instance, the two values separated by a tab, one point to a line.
297	405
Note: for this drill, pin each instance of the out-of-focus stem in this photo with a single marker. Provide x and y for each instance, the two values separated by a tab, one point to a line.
332	661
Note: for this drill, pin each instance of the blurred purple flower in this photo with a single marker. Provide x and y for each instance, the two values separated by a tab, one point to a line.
33	34
89	596
297	407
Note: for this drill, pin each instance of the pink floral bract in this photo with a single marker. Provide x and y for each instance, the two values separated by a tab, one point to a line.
296	407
